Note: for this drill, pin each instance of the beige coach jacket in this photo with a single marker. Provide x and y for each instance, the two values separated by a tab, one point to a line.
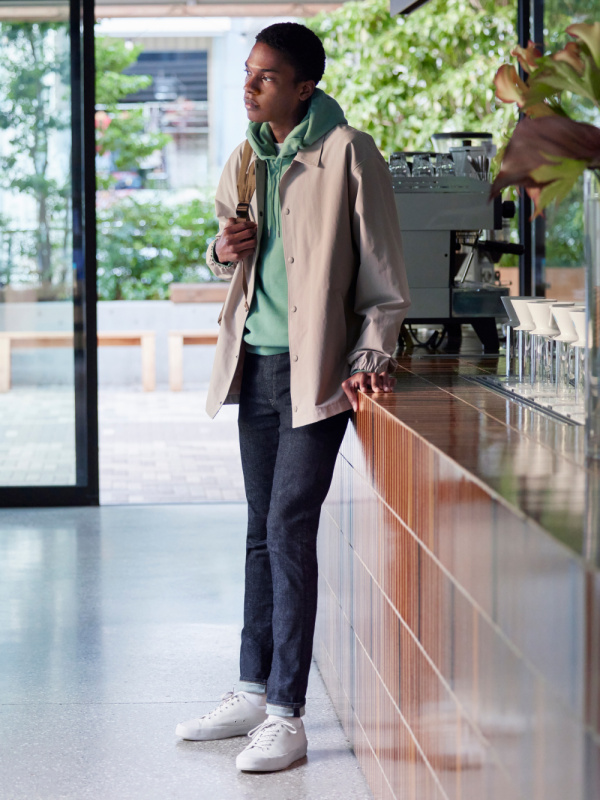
347	289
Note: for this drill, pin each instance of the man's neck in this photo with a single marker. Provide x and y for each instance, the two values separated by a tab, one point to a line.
280	130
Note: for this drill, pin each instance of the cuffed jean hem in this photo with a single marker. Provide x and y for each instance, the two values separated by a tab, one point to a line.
284	711
252	687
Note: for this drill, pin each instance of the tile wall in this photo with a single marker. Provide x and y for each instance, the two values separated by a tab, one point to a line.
459	641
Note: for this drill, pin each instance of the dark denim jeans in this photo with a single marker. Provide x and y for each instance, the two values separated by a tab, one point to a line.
287	474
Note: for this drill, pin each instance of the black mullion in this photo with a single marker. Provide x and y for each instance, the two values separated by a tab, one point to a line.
539	225
532	235
86	490
88	104
525	205
79	344
43	496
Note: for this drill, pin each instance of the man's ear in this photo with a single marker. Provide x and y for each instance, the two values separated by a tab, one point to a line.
306	90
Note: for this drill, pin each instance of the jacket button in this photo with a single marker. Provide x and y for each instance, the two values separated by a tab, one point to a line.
295	358
295	408
294	308
291	259
287	211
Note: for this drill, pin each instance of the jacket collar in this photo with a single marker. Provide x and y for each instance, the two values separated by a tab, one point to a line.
311	154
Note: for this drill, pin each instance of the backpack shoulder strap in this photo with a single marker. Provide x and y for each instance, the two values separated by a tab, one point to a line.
246	182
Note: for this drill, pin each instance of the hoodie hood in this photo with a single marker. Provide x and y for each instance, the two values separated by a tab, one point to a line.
323	114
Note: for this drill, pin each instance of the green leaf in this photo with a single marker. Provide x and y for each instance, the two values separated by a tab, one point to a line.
560	169
560	177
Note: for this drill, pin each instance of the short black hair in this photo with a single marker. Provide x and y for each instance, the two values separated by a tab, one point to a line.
300	46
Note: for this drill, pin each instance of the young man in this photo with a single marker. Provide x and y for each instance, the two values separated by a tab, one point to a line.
318	293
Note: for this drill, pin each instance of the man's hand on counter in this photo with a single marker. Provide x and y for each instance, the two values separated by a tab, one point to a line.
366	382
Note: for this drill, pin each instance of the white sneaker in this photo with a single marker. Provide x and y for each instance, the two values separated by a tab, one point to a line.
235	716
275	745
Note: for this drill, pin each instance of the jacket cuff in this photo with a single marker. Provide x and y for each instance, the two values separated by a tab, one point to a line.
212	259
373	362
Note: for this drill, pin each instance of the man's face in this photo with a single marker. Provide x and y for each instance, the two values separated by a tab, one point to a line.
271	92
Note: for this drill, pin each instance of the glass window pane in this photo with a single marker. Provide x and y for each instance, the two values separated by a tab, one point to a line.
565	270
37	376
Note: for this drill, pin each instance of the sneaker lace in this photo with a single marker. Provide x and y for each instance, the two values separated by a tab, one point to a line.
265	734
225	701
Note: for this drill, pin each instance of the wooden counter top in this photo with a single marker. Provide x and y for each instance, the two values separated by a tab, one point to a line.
524	457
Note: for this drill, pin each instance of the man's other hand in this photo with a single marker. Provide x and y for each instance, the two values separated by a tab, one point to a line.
366	382
237	241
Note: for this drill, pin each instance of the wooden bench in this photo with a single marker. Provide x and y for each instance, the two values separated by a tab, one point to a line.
213	292
176	341
30	339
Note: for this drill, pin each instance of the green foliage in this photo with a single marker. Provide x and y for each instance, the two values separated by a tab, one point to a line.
112	57
127	140
32	111
125	136
144	246
564	226
402	79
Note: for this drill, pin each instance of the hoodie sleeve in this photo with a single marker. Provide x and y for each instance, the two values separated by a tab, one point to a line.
382	297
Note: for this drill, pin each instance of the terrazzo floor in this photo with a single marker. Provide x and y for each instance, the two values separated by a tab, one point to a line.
115	624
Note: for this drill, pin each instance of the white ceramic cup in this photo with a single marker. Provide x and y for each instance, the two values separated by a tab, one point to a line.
541	313
521	307
578	317
562	316
523	313
513	319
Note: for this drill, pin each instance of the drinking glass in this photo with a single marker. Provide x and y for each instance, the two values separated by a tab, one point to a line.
578	317
542	358
444	165
567	335
399	165
422	166
526	325
512	362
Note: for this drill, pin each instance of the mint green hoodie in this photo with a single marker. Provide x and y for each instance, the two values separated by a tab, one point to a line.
267	323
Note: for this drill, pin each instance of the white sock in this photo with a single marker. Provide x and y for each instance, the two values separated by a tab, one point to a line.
295	721
255	698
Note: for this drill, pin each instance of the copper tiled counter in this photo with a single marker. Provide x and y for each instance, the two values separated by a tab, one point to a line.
458	629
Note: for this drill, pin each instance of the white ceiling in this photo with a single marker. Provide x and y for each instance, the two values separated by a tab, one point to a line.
31	10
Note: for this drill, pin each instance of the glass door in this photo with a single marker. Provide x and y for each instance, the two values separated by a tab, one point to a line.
48	385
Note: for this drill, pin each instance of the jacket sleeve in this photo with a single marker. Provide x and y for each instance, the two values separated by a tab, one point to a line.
381	297
225	206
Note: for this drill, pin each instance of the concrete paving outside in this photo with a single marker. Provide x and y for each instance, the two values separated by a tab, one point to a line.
155	447
162	447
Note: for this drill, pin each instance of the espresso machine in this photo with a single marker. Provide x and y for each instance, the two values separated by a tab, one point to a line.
453	235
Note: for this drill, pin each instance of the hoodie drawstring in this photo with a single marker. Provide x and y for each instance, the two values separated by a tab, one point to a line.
275	167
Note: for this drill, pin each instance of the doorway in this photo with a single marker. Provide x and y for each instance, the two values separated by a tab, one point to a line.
48	405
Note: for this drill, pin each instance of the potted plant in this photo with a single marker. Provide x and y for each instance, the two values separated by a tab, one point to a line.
549	151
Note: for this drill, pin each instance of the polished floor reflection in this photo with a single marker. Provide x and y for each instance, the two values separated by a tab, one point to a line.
115	624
